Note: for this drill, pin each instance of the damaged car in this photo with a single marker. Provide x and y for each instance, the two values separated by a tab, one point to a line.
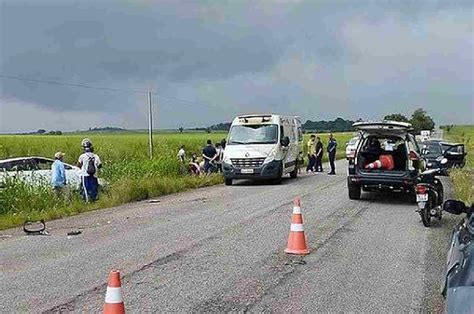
37	170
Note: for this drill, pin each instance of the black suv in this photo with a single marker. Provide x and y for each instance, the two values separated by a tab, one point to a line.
385	138
434	151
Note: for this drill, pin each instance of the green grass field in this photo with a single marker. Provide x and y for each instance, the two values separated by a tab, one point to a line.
463	179
127	168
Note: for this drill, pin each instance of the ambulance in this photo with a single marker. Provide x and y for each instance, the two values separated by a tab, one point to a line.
262	147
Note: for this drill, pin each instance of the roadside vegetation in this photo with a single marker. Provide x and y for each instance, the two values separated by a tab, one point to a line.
130	174
463	179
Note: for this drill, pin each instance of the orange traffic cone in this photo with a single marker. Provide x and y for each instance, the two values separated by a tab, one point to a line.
385	162
296	239
113	297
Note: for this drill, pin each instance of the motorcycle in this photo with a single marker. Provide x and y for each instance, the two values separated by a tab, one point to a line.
429	196
458	285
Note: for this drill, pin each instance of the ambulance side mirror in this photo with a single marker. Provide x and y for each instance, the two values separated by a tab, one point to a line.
285	141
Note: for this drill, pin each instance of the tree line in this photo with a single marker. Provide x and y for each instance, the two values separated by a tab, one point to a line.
420	120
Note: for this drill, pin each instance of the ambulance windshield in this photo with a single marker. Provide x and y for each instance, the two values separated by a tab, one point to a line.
253	134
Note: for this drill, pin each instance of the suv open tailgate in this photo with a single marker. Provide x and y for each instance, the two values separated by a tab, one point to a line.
385	127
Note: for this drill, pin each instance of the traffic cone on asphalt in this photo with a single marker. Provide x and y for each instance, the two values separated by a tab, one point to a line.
297	239
113	297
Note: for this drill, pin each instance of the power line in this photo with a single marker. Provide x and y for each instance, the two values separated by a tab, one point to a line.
72	85
18	78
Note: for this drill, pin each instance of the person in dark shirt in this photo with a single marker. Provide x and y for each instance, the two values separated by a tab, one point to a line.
319	155
209	153
332	145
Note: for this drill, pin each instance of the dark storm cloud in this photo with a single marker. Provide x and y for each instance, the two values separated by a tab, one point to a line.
318	59
92	43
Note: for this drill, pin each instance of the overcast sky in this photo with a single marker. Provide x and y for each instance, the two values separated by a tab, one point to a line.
316	59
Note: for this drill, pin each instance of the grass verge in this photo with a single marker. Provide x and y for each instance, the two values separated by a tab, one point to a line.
463	179
41	203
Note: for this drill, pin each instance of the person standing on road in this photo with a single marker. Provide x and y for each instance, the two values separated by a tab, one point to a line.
319	155
332	145
89	164
209	154
311	153
58	174
220	156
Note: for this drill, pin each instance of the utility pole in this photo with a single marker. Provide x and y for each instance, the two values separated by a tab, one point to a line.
150	125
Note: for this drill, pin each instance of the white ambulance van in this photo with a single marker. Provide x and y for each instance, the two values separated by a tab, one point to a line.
262	146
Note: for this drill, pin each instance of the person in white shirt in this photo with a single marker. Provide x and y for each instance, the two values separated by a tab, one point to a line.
220	156
182	154
89	164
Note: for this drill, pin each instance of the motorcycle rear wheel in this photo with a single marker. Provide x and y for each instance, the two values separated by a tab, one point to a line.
425	213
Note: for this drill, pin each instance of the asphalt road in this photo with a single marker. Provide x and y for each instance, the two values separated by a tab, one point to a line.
221	249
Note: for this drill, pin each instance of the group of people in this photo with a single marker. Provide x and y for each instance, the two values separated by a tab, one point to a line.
88	162
315	154
210	160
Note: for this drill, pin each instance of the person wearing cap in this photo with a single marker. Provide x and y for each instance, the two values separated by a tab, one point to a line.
89	164
58	174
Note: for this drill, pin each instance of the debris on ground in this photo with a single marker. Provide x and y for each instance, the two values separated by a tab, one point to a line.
35	227
73	233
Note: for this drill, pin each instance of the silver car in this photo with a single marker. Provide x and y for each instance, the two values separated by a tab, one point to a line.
351	147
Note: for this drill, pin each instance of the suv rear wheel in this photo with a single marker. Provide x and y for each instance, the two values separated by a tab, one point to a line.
354	191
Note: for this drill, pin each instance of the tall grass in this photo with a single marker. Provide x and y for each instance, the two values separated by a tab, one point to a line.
130	174
463	179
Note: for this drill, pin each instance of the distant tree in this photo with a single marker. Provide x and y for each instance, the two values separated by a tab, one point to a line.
180	129
220	127
338	125
41	131
448	128
208	130
396	117
421	121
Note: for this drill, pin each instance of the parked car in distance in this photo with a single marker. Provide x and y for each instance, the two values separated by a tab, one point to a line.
351	147
394	140
425	135
35	170
433	151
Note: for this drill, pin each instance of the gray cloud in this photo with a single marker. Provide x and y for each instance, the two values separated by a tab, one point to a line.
312	58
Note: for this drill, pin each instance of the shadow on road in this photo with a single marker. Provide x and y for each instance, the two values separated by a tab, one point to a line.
261	182
389	198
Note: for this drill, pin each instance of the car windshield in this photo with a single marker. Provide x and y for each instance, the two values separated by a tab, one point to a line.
253	134
433	149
